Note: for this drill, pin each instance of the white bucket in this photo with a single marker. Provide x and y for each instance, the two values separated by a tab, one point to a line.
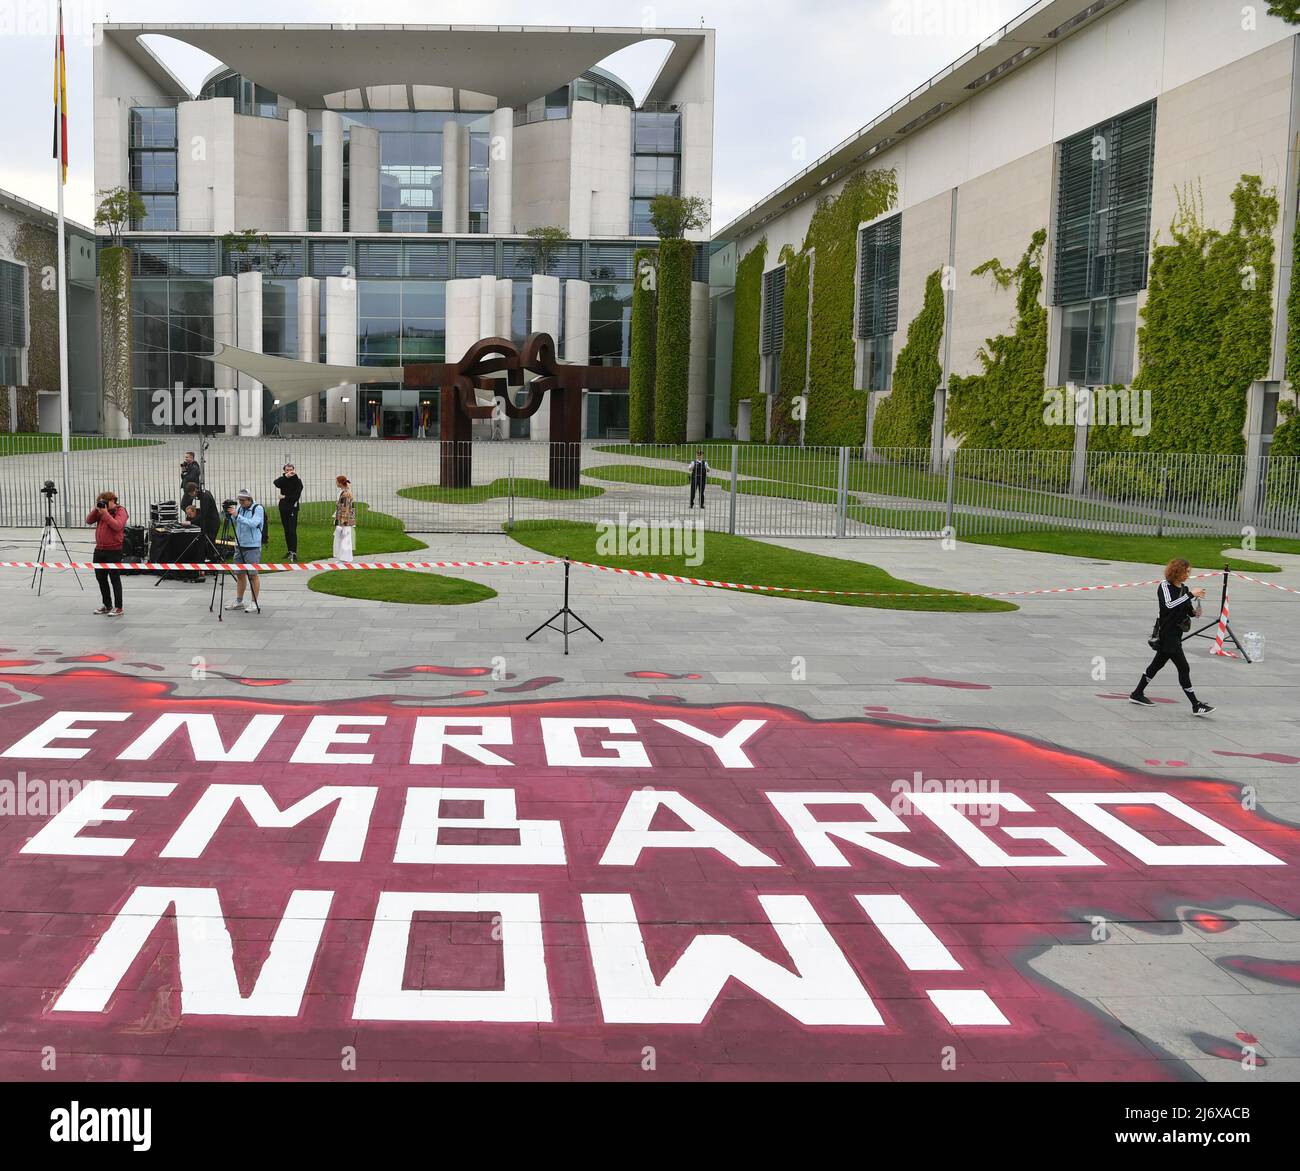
1253	643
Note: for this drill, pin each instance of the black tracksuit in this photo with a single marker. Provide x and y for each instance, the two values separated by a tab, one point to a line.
1177	606
291	488
699	474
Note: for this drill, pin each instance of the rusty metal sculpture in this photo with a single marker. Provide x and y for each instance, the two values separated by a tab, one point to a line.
457	383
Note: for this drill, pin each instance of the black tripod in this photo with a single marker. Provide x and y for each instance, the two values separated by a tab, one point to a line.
1227	626
219	582
206	553
566	613
48	534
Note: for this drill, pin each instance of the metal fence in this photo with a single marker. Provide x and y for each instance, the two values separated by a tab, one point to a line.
751	489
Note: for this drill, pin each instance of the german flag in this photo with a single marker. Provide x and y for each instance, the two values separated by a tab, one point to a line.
61	99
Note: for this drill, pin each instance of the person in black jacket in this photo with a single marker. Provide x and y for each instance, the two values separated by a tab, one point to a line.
698	471
200	508
1178	605
191	472
290	488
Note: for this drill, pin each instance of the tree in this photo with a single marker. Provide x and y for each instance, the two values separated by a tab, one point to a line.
117	210
249	243
542	245
675	215
1288	10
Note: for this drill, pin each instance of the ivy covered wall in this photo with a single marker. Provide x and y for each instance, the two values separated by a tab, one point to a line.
906	416
794	348
1207	325
837	410
115	339
641	372
1002	406
673	341
745	364
37	248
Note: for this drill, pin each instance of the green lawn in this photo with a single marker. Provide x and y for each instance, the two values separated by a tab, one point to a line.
1202	552
377	532
524	488
646	474
740	559
37	442
408	587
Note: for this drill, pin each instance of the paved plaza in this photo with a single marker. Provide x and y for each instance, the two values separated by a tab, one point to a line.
667	910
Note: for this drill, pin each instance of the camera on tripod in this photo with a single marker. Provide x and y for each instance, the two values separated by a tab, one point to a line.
48	490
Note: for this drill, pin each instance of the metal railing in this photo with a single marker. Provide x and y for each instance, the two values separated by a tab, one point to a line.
750	489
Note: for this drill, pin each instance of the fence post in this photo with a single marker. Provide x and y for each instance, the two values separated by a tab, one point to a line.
951	492
842	493
1164	501
735	468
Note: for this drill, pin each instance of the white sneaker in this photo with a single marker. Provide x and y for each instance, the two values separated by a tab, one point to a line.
236	605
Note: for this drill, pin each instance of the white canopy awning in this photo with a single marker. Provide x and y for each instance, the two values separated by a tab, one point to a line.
290	380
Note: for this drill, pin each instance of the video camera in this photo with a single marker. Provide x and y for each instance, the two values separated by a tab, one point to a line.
48	490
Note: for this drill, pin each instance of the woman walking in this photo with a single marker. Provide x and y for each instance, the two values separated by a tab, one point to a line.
345	520
1178	605
109	519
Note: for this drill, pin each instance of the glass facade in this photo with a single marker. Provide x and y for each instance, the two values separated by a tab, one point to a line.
656	164
251	99
879	253
171	329
151	165
13	322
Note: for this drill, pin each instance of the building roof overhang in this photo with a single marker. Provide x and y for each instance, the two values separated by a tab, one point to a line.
305	62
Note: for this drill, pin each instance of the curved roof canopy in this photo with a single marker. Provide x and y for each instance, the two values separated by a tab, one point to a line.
290	380
304	62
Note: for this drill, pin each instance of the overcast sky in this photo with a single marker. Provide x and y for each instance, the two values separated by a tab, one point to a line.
794	77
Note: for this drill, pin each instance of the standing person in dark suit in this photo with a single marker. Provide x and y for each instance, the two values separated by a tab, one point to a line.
699	474
191	472
290	488
1178	605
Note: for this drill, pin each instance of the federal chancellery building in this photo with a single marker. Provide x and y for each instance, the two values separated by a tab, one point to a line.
359	195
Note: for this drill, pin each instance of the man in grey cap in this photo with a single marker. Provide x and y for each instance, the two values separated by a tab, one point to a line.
250	534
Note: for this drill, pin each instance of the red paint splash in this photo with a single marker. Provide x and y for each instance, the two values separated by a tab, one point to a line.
660	675
884	713
1208	921
19	662
532	684
8	695
249	681
147	666
960	684
434	669
1167	763
1285	972
1218	1047
1273	757
85	659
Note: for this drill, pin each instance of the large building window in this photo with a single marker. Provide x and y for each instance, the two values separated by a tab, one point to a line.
879	252
13	322
152	166
772	333
1103	232
656	165
410	181
171	330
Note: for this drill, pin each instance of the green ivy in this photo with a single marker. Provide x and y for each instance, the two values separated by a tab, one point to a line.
1286	435
673	340
794	349
745	364
115	329
905	417
1002	407
1288	10
37	248
641	372
836	409
1206	330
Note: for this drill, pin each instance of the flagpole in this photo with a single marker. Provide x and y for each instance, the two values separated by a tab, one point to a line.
64	419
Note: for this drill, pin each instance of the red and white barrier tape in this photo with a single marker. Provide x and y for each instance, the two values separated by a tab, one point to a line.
1272	585
238	566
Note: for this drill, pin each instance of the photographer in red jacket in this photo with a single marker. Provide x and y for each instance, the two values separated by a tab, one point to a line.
109	519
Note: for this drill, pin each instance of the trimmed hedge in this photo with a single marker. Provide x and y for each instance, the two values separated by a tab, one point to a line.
673	341
1206	330
745	362
1003	406
837	410
641	372
906	417
794	349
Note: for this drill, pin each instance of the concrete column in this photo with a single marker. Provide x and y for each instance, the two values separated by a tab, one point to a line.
697	395
205	165
697	155
248	296
331	172
341	347
584	158
1079	456
455	178
505	291
308	337
223	330
297	170
363	179
545	319
463	315
487	307
500	173
577	330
